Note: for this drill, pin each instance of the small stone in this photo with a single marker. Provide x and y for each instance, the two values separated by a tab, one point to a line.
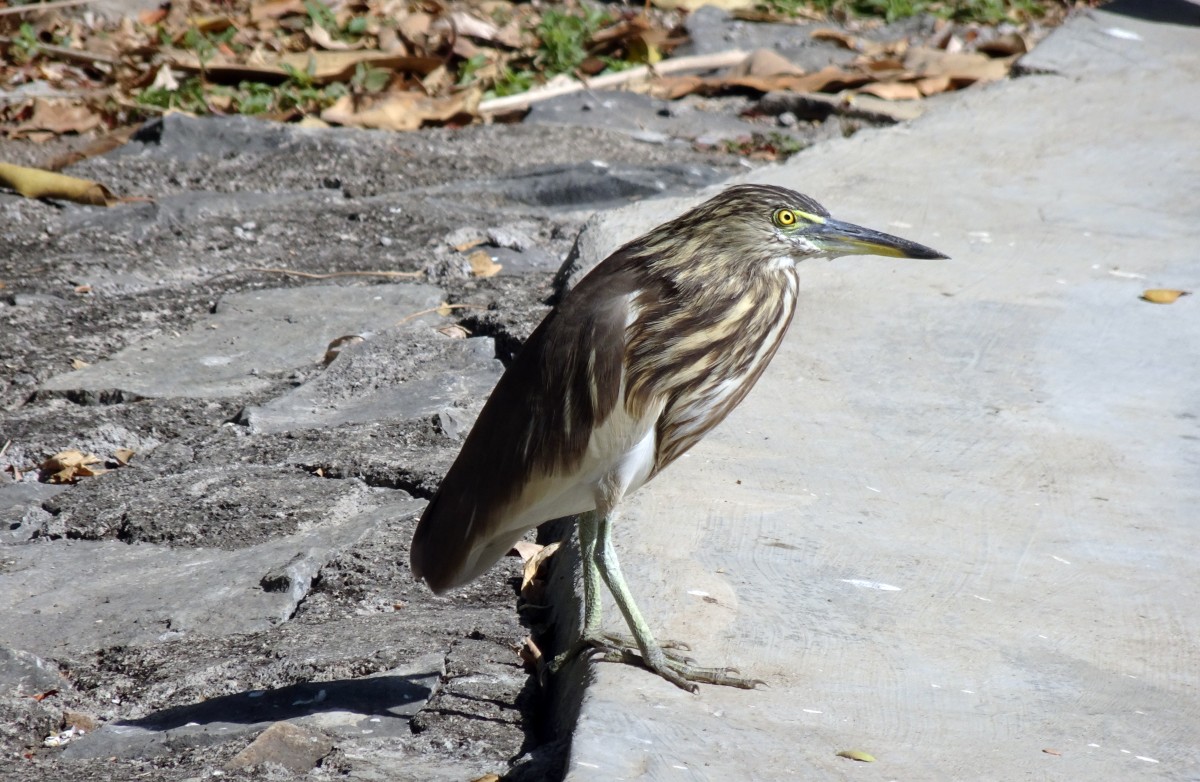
787	119
296	749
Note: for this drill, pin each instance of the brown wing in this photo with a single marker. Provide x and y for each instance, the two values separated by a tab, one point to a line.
531	435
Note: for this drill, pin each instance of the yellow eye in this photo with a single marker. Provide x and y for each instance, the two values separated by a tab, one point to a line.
785	218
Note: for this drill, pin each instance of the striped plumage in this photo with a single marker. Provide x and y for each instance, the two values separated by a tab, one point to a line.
640	360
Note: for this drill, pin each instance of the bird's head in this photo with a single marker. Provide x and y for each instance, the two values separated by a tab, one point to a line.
766	227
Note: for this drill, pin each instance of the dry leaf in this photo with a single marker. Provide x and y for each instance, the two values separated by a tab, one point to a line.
764	62
1052	752
77	363
322	66
487	778
401	111
482	264
123	455
336	346
467	245
530	654
1163	295
692	5
70	466
322	37
36	183
58	117
454	331
841	38
892	90
525	549
857	754
533	566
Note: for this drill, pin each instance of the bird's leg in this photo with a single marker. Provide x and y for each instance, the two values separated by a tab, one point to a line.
592	636
588	530
681	674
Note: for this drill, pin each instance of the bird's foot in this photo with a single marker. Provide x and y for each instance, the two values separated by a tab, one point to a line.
683	673
665	660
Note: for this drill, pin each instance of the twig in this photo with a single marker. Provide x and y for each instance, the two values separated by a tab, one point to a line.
407	318
697	63
24	9
78	55
5	448
315	275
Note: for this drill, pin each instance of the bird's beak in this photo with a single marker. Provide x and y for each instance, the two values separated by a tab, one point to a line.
838	238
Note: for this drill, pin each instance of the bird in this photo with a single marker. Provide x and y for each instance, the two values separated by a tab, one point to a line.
637	362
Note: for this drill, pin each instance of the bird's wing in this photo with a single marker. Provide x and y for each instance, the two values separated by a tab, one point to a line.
527	458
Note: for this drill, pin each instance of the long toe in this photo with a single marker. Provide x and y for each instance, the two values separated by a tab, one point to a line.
673	650
682	673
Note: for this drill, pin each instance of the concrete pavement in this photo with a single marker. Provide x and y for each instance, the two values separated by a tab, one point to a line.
956	524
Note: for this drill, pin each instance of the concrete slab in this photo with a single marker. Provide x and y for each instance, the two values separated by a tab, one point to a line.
954	526
249	337
77	596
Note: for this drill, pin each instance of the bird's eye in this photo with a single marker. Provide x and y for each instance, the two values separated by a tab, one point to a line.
785	218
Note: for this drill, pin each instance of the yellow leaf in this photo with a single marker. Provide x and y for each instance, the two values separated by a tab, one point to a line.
857	754
1163	295
36	183
482	264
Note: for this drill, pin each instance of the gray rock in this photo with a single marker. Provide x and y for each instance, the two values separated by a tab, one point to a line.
73	596
25	674
380	705
21	514
368	384
249	336
283	744
598	183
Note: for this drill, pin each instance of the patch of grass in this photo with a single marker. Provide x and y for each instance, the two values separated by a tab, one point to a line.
564	37
765	146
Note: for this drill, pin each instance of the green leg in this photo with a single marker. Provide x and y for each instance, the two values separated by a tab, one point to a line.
588	524
680	673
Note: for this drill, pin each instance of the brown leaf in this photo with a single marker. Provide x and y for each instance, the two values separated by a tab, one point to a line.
275	9
530	654
58	117
533	565
401	111
323	66
525	549
77	363
839	37
123	455
1052	752
963	68
36	183
41	696
1163	295
336	346
764	62
933	85
482	264
487	778
454	331
70	466
892	90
